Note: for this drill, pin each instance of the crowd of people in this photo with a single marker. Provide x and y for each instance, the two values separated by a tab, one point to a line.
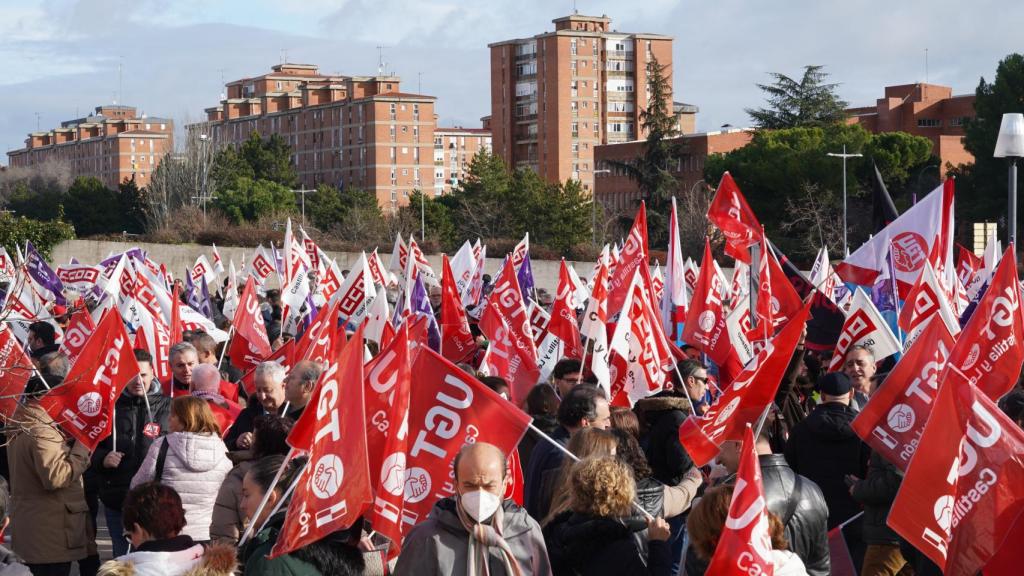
196	476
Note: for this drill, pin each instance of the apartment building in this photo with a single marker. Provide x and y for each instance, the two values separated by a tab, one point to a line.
558	95
358	132
454	149
928	110
113	144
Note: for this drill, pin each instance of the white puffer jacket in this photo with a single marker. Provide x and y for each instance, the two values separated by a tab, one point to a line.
195	467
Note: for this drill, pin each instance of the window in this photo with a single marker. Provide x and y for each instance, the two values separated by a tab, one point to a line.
573	88
929	123
575	130
392	111
415	111
959	120
392	132
572	67
572	49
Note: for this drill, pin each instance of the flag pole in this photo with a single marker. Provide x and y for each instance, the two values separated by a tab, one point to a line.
284	497
574	458
231	330
682	382
583	361
266	497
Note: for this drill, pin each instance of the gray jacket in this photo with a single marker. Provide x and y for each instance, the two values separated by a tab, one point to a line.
10	564
438	545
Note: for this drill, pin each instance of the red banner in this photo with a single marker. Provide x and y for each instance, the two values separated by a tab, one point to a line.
80	327
506	324
745	399
706	327
15	370
449	408
960	502
334	489
745	545
894	418
732	215
457	343
633	255
83	405
989	351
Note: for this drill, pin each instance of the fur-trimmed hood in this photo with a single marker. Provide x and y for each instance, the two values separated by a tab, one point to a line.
217	560
660	403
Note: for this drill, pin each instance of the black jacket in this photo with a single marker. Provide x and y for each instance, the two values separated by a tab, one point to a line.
130	422
660	417
876	493
801	508
244	422
591	545
825	449
542	473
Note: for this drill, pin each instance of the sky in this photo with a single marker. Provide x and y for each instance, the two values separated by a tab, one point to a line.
61	57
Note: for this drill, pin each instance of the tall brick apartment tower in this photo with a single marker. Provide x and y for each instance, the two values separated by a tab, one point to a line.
557	95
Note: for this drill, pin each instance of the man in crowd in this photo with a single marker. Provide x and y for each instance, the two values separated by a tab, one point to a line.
183	358
661	415
477	526
565	375
795	499
206	353
42	340
51	526
206	385
142	413
825	449
298	386
268	398
582	407
860	367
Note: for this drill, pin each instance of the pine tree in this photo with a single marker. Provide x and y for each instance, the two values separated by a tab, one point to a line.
808	102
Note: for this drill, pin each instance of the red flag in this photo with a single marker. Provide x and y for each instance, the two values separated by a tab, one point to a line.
248	320
732	215
961	500
705	327
505	322
388	381
449	408
561	337
745	545
514	490
457	343
892	421
633	255
285	356
175	323
968	265
317	342
743	401
989	351
926	299
334	489
15	370
84	403
639	354
80	327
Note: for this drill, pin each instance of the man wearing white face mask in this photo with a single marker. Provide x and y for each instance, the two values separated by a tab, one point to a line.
476	531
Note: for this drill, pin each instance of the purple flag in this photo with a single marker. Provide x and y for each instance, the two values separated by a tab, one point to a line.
420	303
198	296
525	277
41	272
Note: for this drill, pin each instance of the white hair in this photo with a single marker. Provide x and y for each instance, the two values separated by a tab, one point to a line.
205	378
275	371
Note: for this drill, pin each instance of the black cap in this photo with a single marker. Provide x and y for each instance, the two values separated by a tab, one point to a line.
834	384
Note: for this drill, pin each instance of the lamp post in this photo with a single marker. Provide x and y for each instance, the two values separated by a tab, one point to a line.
1010	144
844	156
593	204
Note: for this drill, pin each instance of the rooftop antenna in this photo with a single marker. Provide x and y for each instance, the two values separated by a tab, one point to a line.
381	65
223	94
120	83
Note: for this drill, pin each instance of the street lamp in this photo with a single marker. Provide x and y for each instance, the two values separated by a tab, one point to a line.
593	204
844	156
1010	144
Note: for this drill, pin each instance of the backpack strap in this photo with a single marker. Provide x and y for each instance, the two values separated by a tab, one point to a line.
794	499
161	458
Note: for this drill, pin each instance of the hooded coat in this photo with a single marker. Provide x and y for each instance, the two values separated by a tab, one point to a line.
438	546
133	440
825	449
594	545
660	416
195	467
49	515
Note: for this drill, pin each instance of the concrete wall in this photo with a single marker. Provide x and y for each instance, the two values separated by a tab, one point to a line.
181	257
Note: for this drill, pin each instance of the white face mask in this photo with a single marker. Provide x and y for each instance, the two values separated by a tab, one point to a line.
480	504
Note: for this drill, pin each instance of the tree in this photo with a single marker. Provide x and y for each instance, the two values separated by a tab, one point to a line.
650	170
92	208
436	220
249	199
178	178
325	207
270	159
774	170
134	207
14	231
35	191
794	103
479	198
985	182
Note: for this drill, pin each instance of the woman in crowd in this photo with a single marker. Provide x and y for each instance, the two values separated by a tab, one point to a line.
626	420
586	443
153	522
270	437
597	535
656	498
192	459
331	556
707	519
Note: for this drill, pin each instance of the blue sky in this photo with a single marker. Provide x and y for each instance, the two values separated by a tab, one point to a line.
62	56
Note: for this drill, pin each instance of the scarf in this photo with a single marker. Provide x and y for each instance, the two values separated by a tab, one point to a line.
483	536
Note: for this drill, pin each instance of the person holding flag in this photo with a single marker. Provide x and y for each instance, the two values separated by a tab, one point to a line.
476	531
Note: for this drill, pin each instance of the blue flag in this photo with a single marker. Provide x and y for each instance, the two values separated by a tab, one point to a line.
525	277
41	272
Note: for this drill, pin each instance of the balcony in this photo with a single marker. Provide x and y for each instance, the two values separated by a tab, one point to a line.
619	53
